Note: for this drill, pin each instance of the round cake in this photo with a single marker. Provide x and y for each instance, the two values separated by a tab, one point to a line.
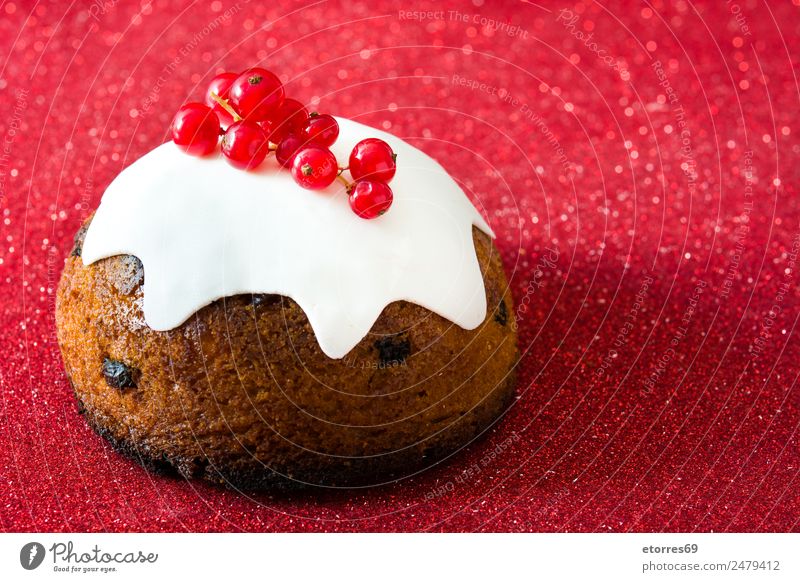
242	394
264	324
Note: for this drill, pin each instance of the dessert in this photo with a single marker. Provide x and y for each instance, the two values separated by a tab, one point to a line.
261	322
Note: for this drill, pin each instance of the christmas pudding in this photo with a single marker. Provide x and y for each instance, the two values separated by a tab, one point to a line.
276	297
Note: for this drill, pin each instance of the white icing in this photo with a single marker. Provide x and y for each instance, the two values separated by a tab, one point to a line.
205	230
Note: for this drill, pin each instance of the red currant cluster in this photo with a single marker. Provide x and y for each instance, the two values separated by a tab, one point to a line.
254	117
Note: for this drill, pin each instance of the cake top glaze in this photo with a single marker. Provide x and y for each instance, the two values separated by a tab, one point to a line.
205	230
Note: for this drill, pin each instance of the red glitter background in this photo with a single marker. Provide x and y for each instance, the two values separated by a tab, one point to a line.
638	162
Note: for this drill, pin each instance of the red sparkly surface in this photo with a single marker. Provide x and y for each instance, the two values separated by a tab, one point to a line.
643	185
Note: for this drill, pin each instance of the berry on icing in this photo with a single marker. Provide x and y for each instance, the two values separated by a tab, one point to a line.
256	117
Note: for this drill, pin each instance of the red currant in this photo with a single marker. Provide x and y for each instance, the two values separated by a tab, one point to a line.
314	167
287	148
289	117
321	129
220	86
370	199
245	145
373	159
195	129
256	93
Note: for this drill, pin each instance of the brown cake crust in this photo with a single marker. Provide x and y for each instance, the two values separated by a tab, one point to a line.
242	394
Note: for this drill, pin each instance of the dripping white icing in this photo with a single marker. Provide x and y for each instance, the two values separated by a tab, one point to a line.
205	230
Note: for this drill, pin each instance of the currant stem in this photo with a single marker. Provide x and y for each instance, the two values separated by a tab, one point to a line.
226	106
348	185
